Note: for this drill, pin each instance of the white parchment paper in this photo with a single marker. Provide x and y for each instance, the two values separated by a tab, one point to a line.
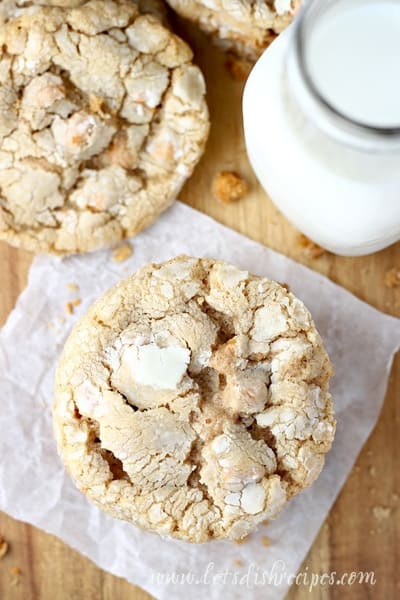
35	488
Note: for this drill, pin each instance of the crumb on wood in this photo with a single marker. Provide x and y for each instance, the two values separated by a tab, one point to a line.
310	248
238	563
3	547
122	253
392	278
381	512
229	186
74	287
265	541
372	471
238	68
395	497
15	573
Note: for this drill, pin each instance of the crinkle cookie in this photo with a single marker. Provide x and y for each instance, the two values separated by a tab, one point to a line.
192	400
102	119
245	26
14	8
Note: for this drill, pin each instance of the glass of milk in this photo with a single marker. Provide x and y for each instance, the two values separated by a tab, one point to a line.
321	113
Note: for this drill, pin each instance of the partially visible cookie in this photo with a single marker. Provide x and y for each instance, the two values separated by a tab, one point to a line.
13	8
103	118
245	27
192	400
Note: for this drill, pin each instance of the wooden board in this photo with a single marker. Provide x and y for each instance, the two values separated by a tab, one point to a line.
352	539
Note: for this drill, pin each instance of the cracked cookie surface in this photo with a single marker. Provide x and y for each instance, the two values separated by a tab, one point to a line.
192	400
103	118
14	8
246	27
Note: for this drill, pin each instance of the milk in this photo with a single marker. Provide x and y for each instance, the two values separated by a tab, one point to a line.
353	57
312	126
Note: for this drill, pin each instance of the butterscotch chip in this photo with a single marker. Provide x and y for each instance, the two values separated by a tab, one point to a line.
228	187
238	68
310	248
3	547
392	278
244	27
122	253
198	420
103	118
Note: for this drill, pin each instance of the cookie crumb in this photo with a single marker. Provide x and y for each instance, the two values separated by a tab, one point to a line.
238	68
265	541
76	302
74	287
310	248
15	573
122	253
392	278
69	307
242	540
3	547
286	286
229	186
238	563
381	512
266	522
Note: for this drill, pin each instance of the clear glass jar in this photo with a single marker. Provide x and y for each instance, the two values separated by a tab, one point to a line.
335	177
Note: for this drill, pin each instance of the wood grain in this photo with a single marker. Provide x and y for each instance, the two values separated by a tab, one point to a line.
352	539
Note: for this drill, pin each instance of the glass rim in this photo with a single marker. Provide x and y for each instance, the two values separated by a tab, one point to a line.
300	43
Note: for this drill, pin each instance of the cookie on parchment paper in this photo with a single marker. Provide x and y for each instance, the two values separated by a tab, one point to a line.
192	400
103	118
245	27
